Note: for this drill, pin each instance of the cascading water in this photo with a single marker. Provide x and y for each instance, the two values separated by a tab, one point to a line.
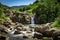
32	24
32	20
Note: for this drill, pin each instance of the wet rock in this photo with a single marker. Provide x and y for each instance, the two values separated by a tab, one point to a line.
3	29
25	37
38	35
19	24
16	38
43	27
53	32
46	26
2	38
19	27
3	33
38	29
49	32
6	24
24	29
46	30
17	32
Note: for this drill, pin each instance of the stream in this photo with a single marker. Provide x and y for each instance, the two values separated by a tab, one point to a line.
26	33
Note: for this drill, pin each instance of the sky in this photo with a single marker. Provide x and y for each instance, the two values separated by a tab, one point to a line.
16	2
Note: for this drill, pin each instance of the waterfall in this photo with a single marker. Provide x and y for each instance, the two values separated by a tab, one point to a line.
32	24
32	20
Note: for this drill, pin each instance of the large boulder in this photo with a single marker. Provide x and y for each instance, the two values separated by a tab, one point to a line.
43	27
46	26
37	29
19	26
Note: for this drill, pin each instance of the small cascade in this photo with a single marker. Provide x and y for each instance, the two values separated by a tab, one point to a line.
33	31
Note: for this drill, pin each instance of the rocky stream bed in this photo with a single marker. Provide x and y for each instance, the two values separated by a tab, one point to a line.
18	31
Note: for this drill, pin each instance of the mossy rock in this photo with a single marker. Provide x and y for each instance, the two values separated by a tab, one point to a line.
45	38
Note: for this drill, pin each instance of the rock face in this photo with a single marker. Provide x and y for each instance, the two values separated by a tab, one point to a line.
21	18
37	21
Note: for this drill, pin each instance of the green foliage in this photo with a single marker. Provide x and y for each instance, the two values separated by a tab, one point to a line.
17	14
46	10
2	14
50	8
24	8
56	23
